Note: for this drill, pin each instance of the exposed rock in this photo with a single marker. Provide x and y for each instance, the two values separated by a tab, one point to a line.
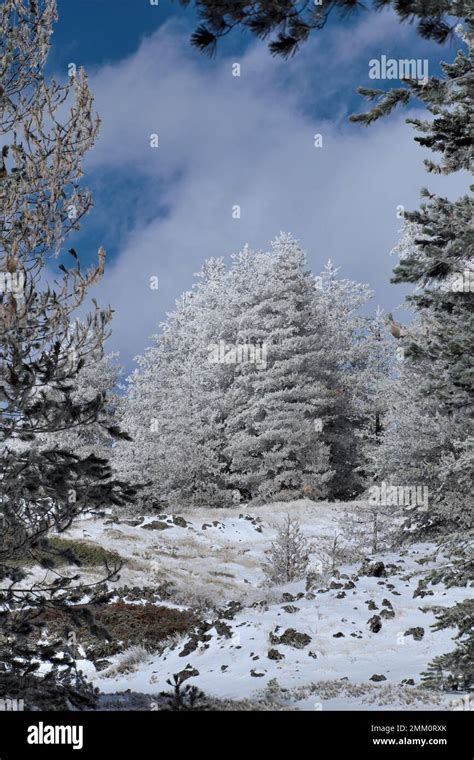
102	664
179	521
373	569
417	633
333	584
190	646
371	605
291	638
349	584
387	614
340	595
274	654
156	525
286	597
257	673
262	605
310	596
377	677
188	672
421	590
291	608
223	629
375	623
338	635
408	682
387	603
230	610
313	655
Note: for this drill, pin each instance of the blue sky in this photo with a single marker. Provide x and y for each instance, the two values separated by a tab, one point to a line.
227	140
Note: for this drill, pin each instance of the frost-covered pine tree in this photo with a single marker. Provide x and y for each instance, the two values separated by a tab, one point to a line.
342	366
252	378
273	426
100	375
438	348
42	351
289	553
374	384
173	409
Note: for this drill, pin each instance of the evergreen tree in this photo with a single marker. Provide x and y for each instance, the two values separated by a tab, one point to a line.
42	352
374	385
438	347
273	428
345	356
291	22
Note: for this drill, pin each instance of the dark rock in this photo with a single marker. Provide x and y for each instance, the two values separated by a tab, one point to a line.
291	609
256	674
291	638
230	610
223	629
377	677
274	654
417	633
190	646
179	521
408	682
349	584
421	590
188	672
338	635
286	597
313	655
102	664
373	569
387	603
387	614
372	605
156	525
310	596
375	623
333	584
340	595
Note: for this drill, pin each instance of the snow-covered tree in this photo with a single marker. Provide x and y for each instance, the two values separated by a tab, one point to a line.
436	419
343	364
99	376
42	351
250	387
289	553
374	384
273	427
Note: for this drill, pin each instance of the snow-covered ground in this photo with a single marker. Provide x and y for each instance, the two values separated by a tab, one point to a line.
312	647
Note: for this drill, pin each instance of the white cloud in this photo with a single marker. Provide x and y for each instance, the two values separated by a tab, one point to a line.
246	140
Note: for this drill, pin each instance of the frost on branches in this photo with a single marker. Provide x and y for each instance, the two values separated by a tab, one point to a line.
43	350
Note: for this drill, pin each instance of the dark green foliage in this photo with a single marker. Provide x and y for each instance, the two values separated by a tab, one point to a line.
454	671
44	346
291	22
